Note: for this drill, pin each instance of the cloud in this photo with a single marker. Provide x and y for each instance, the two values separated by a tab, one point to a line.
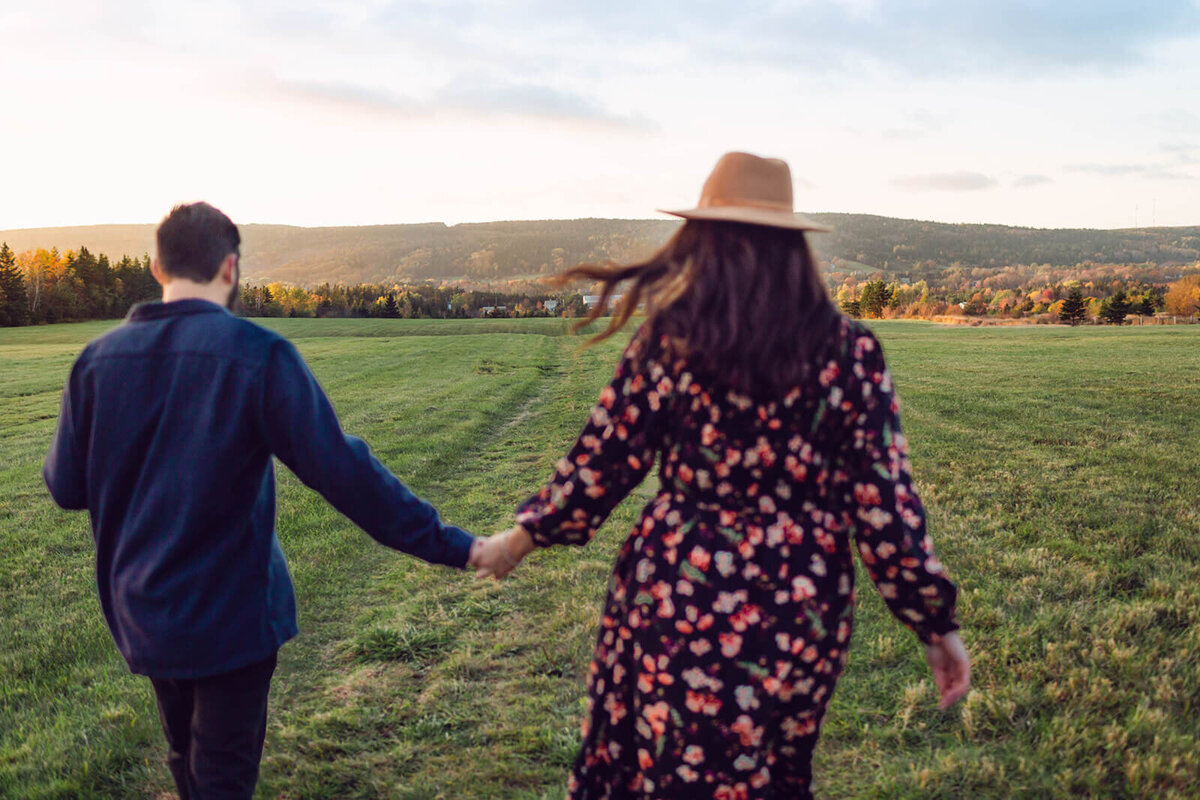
1183	153
1025	181
1109	170
463	95
945	182
519	98
355	97
916	125
1155	172
923	36
933	36
524	37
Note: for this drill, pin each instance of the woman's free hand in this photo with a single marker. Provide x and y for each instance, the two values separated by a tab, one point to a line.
951	668
500	554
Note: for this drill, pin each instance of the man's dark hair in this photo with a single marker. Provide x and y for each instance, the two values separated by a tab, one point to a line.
193	240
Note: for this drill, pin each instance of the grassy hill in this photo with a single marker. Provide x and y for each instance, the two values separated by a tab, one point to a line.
506	250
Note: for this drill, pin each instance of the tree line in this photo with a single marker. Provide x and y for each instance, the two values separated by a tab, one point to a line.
1062	302
45	286
1070	298
426	300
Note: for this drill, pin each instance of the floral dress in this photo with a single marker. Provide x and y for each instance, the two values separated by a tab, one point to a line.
729	609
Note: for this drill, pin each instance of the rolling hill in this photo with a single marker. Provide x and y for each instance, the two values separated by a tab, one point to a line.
506	250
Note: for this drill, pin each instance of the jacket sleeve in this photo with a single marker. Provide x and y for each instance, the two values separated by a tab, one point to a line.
302	430
611	456
65	470
876	489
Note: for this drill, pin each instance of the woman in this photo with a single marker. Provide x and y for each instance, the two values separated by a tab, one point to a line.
729	611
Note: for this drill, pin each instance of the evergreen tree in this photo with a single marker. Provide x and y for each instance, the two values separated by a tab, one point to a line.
1115	308
249	300
851	307
14	302
875	296
1073	308
390	307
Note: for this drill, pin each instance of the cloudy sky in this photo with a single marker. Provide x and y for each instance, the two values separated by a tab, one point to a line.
1047	113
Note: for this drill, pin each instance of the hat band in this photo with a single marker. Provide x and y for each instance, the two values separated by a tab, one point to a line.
719	202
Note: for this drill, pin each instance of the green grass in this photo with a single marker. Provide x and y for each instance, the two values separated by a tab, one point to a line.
1058	467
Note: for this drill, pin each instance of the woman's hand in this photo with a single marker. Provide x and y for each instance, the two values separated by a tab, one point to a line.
500	554
951	668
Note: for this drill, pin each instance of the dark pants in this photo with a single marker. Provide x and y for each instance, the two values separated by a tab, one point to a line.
215	728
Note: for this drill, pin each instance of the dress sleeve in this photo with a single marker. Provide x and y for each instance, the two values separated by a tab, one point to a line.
611	456
877	490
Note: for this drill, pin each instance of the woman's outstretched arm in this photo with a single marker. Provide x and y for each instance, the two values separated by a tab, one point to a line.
876	486
889	520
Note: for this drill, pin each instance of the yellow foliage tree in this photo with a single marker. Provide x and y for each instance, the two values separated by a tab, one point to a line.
1183	296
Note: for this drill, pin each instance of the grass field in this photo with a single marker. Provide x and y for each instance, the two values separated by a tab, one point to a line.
1058	465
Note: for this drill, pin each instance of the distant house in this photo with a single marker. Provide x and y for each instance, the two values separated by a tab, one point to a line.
551	305
487	310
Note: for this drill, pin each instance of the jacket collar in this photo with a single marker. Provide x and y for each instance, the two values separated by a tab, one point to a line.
158	310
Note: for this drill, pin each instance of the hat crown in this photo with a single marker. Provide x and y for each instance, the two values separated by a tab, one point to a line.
749	189
743	179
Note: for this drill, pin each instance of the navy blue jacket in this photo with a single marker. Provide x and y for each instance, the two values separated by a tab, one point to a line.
167	429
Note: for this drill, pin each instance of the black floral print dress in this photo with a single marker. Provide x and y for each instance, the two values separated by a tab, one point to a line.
729	610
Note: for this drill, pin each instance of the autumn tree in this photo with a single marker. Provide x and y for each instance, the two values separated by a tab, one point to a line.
1183	296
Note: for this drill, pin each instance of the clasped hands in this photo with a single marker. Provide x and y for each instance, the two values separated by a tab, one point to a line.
500	554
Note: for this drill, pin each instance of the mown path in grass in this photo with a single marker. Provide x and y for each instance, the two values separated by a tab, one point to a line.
1059	471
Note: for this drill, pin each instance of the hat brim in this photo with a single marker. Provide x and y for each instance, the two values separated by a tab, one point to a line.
751	216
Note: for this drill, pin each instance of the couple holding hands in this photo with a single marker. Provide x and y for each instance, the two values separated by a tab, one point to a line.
774	423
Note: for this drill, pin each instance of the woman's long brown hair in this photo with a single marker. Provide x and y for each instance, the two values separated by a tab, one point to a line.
743	303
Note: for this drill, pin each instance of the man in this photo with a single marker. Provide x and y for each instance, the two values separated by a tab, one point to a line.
167	430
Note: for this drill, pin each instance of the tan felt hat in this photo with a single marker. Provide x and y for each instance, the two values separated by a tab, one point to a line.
746	188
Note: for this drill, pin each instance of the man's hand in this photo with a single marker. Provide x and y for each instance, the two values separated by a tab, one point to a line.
500	554
951	668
